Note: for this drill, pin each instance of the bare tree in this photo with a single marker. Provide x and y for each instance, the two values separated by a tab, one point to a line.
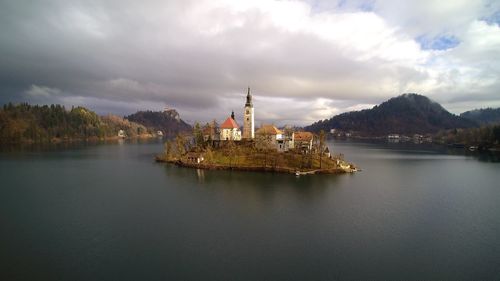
180	142
168	150
321	147
231	150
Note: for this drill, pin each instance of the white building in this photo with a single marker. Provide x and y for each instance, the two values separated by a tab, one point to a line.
229	130
122	134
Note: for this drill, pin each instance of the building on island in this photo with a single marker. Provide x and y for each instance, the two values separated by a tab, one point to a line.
304	141
195	157
122	134
248	118
271	137
288	138
229	130
268	136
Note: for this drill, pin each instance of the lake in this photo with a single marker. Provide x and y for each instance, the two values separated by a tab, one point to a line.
108	212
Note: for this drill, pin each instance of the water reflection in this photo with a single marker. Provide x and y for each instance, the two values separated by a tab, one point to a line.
70	145
254	189
488	156
399	149
201	175
429	216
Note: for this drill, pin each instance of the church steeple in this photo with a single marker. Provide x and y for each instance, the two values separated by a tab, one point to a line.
249	99
248	118
232	114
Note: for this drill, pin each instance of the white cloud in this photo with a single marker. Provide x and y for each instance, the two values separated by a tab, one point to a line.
43	92
432	17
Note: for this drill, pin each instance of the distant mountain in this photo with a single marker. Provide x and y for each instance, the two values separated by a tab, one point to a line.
168	121
405	114
113	124
483	116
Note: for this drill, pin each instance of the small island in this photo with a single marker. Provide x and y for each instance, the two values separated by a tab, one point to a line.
268	148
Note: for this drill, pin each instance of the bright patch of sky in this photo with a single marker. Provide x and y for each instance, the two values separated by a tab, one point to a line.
493	19
443	42
367	6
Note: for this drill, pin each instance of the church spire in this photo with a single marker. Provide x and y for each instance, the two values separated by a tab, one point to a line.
232	114
249	99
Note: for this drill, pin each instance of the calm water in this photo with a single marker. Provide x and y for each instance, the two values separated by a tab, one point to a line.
107	212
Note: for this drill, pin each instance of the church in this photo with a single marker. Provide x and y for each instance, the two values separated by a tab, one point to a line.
267	136
230	130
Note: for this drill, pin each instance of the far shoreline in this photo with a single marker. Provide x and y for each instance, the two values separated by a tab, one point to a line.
78	140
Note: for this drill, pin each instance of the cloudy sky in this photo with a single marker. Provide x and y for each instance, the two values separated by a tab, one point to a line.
304	60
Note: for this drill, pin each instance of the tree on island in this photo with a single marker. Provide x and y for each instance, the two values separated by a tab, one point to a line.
263	143
230	151
321	147
180	143
198	135
209	155
168	150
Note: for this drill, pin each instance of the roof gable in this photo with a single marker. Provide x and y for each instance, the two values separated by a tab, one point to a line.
303	136
268	130
230	123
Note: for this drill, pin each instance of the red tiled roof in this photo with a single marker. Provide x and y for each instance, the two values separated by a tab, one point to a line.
229	124
268	130
303	136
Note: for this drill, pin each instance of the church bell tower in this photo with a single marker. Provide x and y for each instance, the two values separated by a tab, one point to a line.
248	121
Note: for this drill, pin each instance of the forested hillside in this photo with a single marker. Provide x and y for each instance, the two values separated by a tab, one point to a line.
35	123
405	114
483	116
168	121
487	136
